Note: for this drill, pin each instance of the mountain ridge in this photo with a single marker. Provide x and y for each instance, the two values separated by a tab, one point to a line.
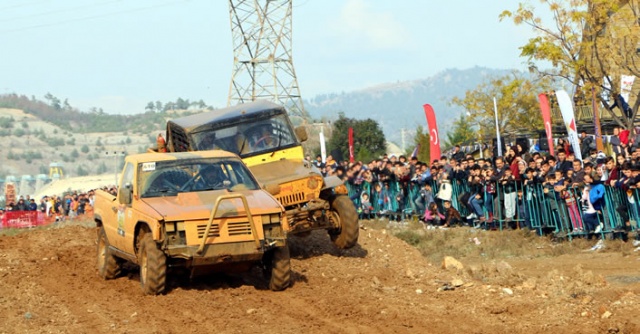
398	105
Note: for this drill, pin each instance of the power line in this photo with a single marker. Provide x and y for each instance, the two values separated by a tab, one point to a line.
90	17
59	11
302	4
23	4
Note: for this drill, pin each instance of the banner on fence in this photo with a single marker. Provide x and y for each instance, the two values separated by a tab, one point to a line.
22	219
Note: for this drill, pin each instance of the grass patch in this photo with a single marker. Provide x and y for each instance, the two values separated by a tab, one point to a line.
81	221
496	245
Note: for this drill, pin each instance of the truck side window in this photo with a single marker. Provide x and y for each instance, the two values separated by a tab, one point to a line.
128	174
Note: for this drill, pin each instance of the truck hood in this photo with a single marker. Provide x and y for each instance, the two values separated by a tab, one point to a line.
277	172
198	205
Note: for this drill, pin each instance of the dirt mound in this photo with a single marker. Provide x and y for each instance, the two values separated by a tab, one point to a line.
48	284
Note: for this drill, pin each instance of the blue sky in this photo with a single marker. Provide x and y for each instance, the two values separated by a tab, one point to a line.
119	54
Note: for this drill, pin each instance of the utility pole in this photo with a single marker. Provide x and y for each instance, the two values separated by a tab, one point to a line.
115	154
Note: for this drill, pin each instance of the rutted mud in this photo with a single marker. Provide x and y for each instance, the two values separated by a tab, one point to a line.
48	284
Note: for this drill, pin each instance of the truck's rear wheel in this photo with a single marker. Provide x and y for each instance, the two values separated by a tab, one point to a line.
280	265
344	213
153	266
108	265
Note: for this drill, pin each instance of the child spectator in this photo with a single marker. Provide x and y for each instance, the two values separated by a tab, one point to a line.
451	215
365	206
522	208
574	212
424	199
432	216
508	185
489	192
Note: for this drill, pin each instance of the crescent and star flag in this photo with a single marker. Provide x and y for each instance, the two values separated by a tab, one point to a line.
566	108
351	157
434	139
545	108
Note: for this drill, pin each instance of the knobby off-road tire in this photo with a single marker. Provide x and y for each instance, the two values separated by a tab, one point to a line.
280	265
345	213
153	267
109	266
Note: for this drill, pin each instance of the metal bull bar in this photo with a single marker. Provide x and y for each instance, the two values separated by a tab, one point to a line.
214	211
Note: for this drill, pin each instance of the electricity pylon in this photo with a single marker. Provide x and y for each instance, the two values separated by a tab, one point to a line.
262	63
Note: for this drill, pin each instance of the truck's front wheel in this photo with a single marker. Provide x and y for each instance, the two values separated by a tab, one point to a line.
109	266
345	215
279	263
153	266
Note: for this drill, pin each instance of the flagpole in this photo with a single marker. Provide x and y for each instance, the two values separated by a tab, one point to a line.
495	112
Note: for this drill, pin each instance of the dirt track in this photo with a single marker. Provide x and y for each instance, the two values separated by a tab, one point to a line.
48	284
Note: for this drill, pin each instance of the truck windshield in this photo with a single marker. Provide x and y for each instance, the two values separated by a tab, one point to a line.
169	178
258	136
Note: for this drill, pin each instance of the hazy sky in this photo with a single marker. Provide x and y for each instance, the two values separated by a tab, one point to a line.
121	54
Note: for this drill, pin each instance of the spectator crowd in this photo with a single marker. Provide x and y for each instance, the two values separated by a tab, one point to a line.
523	188
57	207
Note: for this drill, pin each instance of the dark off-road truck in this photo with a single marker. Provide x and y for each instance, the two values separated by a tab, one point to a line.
262	134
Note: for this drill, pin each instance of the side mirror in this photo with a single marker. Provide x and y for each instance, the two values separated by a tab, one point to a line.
272	189
301	133
125	194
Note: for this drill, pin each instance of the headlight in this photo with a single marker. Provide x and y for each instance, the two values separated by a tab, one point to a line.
341	190
273	218
314	182
173	226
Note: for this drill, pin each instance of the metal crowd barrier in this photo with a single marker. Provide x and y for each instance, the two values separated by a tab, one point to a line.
534	207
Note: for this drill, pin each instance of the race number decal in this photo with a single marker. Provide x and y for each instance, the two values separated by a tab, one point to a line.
148	166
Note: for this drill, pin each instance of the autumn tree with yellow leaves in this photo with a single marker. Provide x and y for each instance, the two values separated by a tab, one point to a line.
588	43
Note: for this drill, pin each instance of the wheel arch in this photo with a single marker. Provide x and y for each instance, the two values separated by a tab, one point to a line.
142	228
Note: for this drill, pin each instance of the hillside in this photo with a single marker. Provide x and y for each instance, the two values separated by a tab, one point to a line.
397	106
31	144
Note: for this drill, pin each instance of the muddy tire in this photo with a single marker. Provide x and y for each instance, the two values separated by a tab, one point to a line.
280	268
153	266
344	213
109	266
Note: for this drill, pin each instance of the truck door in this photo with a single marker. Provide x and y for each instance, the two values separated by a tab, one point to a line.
123	212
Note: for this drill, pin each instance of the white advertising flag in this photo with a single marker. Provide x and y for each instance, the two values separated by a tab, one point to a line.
566	109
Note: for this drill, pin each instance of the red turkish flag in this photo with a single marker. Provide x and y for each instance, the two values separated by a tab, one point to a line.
545	108
433	132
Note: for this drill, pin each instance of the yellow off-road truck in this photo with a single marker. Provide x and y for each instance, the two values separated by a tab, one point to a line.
202	211
261	133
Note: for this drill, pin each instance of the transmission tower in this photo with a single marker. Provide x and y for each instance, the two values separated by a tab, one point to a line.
262	63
